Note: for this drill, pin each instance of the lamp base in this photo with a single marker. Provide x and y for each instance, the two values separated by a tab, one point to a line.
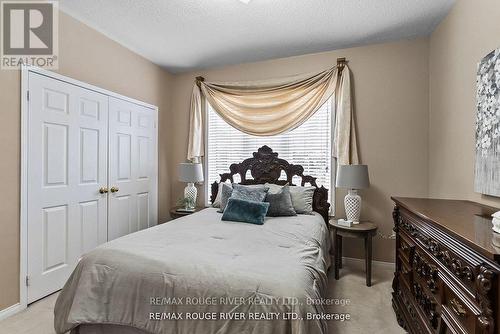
190	193
352	204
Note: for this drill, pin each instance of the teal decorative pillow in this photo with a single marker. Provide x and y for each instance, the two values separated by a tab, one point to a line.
280	203
256	193
239	210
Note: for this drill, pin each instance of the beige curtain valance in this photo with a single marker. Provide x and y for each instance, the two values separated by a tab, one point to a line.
270	107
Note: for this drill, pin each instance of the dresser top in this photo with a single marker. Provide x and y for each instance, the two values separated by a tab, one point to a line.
466	220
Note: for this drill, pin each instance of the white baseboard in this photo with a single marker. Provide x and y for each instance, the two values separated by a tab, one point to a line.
374	263
11	310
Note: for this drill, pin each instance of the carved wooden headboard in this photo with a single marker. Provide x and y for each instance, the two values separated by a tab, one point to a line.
266	167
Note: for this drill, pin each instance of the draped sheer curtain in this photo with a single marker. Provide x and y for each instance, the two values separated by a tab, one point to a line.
271	107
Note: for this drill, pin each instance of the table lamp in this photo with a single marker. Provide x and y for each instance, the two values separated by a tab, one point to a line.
190	173
352	177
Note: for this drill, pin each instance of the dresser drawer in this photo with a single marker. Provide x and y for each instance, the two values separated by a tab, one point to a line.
461	311
427	304
427	272
406	247
449	325
414	322
406	271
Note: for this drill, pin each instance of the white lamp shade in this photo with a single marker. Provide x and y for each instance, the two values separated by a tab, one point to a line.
190	172
352	177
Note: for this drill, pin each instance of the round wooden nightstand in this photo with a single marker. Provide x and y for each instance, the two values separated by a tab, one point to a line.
364	230
174	214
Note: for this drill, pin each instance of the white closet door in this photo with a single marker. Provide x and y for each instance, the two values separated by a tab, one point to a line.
132	172
67	164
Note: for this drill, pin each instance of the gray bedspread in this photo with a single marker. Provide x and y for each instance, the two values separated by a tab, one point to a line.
248	278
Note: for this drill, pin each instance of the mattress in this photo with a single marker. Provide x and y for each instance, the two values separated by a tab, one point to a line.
198	274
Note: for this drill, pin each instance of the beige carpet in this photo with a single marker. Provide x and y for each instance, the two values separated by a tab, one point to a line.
369	308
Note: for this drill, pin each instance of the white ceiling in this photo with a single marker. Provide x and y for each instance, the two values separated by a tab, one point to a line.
183	35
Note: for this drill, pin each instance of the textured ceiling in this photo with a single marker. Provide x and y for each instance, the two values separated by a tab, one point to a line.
183	35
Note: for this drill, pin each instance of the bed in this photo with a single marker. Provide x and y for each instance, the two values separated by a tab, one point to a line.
198	274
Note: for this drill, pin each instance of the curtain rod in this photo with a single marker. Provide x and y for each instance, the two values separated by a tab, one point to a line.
341	62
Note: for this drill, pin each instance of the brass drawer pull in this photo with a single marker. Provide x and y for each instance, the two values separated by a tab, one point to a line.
458	308
114	189
103	190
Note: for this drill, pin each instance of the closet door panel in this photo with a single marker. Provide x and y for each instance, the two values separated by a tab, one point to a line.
93	167
67	145
132	151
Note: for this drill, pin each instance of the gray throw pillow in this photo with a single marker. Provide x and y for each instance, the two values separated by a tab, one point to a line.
274	188
302	199
280	204
250	193
217	201
226	191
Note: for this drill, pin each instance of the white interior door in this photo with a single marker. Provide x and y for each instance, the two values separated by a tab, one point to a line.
67	164
132	168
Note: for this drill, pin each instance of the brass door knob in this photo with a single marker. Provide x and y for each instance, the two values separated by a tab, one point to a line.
103	190
114	189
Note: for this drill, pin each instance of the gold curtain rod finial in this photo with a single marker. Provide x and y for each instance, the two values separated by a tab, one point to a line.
341	62
199	80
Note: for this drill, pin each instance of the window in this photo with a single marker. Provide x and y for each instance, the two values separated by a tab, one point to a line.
308	145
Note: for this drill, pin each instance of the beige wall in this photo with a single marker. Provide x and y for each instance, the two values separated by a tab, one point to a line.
391	87
91	57
469	32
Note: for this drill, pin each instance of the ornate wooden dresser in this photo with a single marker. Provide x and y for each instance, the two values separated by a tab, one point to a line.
447	267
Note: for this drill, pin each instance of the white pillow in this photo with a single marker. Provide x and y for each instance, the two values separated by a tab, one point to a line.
216	203
302	197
